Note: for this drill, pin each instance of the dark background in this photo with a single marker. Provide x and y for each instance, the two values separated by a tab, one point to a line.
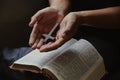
14	19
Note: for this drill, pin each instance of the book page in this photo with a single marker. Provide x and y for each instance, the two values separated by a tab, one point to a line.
38	59
79	62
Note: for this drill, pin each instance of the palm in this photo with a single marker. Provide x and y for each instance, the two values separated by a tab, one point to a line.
43	21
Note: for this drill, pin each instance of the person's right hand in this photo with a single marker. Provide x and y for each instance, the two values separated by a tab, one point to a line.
42	22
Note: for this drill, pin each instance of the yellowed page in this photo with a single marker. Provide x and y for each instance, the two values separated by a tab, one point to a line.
80	62
39	59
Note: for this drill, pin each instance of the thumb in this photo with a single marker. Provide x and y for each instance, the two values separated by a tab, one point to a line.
32	22
36	18
60	18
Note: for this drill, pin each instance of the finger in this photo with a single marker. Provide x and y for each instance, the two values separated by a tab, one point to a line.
34	46
33	35
61	31
40	43
43	47
53	45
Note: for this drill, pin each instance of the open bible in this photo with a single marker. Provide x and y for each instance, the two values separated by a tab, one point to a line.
75	60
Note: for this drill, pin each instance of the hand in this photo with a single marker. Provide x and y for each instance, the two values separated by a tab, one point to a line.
42	22
68	28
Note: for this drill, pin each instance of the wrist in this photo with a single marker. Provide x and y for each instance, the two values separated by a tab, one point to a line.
81	17
62	6
86	17
61	10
